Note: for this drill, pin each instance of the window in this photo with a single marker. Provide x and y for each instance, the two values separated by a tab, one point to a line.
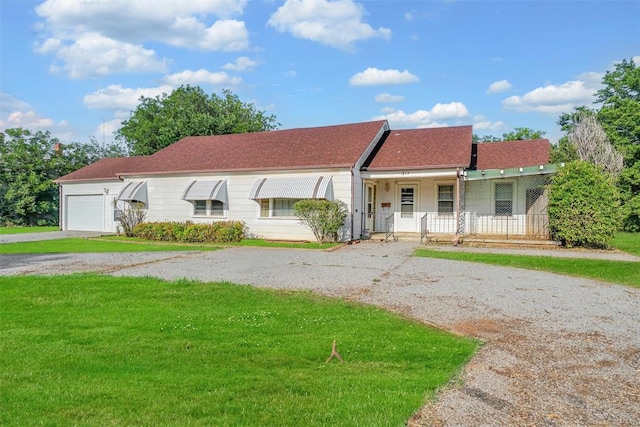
277	207
264	208
116	210
217	208
445	199
200	207
208	208
406	202
504	199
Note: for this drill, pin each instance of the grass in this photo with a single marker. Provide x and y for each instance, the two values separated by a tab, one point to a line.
75	245
621	272
627	242
245	242
127	244
22	230
98	350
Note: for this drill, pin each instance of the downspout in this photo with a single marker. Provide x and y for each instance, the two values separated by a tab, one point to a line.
458	200
352	202
59	206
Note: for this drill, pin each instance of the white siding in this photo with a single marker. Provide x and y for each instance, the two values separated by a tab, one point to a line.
480	202
426	198
165	204
105	191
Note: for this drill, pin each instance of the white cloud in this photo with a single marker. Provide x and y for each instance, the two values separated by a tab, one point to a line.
28	120
229	35
242	63
387	97
374	76
482	124
107	128
94	55
201	76
116	97
554	99
92	38
15	113
437	116
499	86
334	23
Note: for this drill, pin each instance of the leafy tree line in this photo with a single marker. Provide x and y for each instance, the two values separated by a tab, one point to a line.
517	134
188	111
30	161
614	137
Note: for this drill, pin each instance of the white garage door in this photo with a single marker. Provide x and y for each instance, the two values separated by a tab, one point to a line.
85	213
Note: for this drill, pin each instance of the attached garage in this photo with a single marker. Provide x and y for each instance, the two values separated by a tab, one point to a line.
85	212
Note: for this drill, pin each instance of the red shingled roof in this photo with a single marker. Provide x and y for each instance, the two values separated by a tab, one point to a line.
425	149
104	169
513	154
302	148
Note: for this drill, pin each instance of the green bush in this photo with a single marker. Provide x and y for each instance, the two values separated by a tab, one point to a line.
325	218
216	232
583	206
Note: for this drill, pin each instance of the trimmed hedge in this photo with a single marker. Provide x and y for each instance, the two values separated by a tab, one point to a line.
216	232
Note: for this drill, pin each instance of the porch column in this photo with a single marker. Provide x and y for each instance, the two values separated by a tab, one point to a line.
461	208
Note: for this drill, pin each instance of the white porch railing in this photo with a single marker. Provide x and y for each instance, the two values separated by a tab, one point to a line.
534	226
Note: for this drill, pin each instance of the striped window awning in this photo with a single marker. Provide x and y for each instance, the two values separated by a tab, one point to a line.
206	190
134	192
304	187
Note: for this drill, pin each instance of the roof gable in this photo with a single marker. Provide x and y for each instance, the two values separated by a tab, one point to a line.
427	148
513	154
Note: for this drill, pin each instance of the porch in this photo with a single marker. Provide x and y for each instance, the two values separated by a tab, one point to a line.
444	204
438	227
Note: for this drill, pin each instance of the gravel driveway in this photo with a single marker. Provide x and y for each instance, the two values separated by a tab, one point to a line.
559	350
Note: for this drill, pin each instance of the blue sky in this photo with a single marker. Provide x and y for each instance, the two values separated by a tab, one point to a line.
78	67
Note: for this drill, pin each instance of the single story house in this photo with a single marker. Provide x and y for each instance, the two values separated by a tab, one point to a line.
396	181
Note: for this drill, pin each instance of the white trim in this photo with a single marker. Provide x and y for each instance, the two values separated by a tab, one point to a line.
410	174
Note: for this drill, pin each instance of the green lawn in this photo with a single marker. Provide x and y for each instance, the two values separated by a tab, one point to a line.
622	272
75	245
627	242
98	350
22	230
245	242
126	244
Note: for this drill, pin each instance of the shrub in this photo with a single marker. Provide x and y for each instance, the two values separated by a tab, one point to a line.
216	232
583	206
323	217
130	217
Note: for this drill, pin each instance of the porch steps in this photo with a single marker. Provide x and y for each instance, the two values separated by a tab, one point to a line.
480	241
466	240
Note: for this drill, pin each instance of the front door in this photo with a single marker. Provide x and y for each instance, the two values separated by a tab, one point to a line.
370	208
407	218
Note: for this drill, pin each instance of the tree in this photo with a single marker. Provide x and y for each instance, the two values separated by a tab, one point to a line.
583	206
519	133
516	134
620	119
325	218
591	144
188	111
29	162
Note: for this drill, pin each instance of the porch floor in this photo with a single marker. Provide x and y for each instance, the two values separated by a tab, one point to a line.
444	238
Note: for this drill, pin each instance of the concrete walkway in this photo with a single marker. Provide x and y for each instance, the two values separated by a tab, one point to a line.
48	235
